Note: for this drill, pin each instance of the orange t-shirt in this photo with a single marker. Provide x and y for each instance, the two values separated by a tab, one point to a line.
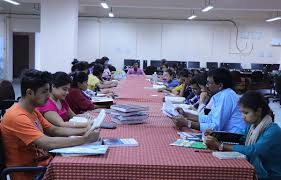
19	129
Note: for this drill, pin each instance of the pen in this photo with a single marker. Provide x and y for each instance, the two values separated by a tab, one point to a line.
203	151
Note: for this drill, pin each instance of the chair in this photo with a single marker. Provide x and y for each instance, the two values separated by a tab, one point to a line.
7	96
8	170
239	82
278	88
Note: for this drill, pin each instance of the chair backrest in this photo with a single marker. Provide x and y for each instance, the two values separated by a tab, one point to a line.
278	84
257	76
6	93
2	154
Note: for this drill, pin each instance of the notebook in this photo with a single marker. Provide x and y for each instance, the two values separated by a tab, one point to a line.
129	108
229	155
85	149
189	144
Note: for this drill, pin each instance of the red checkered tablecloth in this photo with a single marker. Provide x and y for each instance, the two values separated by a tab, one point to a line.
154	158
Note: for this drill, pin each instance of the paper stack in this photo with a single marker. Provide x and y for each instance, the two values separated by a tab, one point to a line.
129	114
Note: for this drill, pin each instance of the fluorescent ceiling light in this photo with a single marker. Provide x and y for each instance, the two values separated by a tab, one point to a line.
273	19
208	8
192	17
104	5
12	2
111	14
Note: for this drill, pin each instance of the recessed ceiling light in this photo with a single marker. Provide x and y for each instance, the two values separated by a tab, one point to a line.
208	8
104	5
273	19
12	2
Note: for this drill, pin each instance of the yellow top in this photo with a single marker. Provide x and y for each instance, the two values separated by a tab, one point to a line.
92	82
179	87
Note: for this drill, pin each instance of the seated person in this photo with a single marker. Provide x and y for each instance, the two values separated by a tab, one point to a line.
186	90
194	101
135	70
57	110
27	136
225	114
169	81
106	75
262	144
180	79
76	98
205	101
96	83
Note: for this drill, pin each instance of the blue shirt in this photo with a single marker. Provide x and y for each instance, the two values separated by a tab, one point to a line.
225	114
172	83
264	155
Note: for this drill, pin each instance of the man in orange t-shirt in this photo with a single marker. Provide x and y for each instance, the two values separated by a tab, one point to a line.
27	135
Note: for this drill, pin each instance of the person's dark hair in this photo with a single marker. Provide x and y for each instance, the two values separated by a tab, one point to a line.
98	70
195	80
171	72
99	61
34	79
82	66
75	61
163	61
78	77
255	100
202	79
61	79
104	59
184	73
222	75
111	68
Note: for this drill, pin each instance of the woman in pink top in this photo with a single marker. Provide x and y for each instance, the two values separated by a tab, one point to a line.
135	70
57	110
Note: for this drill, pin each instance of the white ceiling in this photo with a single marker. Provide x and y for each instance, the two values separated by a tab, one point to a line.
165	9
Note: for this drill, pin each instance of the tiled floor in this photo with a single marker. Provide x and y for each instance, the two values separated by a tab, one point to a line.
276	107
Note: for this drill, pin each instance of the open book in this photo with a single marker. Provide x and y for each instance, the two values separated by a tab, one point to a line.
99	119
189	144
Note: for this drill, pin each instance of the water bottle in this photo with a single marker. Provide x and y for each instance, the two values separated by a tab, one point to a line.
154	78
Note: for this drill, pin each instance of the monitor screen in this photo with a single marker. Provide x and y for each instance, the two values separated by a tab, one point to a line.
193	64
231	65
130	62
212	65
275	67
255	66
155	63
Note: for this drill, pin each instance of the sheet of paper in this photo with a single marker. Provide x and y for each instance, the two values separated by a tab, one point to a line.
99	119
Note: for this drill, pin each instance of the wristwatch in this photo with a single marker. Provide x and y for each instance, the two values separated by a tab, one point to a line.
189	123
221	147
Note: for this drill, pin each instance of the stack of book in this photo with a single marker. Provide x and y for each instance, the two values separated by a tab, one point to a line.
128	114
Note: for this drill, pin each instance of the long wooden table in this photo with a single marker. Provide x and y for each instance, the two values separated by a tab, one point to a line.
154	158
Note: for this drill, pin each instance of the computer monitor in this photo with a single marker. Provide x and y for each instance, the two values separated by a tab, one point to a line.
212	65
255	66
193	64
144	64
155	63
231	66
275	67
131	62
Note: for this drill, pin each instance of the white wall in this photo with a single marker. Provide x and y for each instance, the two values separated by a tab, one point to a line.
177	40
59	29
155	39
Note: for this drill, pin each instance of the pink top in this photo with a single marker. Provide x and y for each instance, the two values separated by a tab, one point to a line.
139	71
51	106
